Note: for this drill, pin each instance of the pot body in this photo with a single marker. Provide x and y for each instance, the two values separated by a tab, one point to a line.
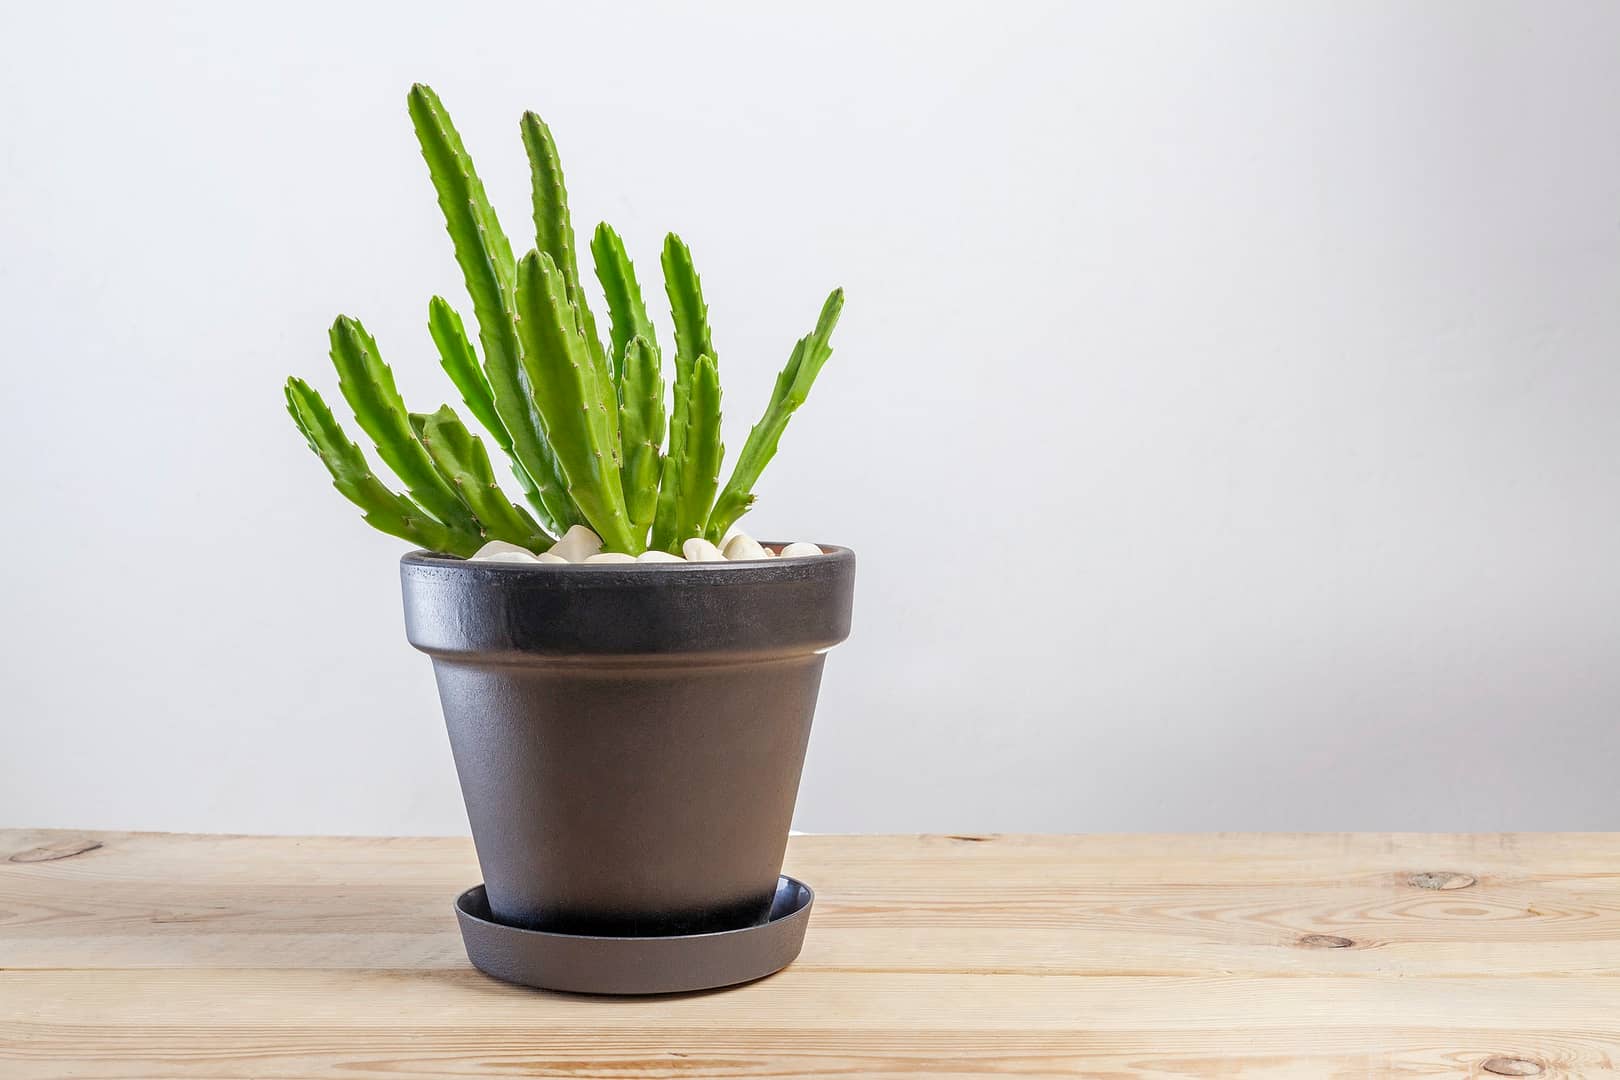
629	737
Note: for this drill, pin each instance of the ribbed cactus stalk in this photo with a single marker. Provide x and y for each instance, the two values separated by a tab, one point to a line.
460	362
582	430
553	228
792	387
485	256
460	458
368	386
627	311
582	421
641	430
703	452
692	340
386	510
640	381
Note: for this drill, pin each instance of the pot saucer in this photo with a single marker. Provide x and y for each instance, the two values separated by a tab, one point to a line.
590	964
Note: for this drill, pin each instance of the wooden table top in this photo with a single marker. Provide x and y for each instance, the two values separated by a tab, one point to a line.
136	955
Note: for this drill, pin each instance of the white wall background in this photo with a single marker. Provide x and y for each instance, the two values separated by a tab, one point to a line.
1268	355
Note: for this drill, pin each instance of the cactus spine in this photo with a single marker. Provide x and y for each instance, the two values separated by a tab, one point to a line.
581	421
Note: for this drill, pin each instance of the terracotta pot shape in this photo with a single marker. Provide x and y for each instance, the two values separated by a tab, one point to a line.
629	736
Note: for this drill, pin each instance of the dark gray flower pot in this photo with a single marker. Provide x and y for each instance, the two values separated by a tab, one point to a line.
629	737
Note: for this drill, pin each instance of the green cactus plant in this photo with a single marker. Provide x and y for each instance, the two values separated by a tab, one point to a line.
582	421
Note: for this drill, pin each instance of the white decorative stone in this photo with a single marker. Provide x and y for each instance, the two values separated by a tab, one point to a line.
548	557
801	548
501	551
698	549
611	557
577	545
654	555
742	546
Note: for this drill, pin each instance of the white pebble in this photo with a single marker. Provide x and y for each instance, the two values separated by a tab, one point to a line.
611	557
698	549
577	545
742	546
654	555
801	548
501	551
548	557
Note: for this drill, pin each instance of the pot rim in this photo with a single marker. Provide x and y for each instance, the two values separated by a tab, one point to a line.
793	567
608	612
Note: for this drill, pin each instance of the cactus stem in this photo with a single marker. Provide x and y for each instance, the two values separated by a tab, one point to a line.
791	389
540	357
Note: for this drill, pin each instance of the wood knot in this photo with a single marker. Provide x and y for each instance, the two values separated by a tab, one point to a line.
1325	941
1512	1066
1441	879
62	849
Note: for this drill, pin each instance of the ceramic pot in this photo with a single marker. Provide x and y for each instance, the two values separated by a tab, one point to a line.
629	736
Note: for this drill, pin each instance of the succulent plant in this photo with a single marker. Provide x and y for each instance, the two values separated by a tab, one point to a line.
582	420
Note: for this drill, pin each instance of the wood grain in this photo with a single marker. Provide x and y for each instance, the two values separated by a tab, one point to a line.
135	955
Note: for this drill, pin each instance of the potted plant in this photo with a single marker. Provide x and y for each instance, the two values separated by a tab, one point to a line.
628	682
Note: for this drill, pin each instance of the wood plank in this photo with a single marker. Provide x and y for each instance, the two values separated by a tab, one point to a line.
1077	904
281	1022
133	955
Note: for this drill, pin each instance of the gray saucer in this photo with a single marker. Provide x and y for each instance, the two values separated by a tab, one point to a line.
588	964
